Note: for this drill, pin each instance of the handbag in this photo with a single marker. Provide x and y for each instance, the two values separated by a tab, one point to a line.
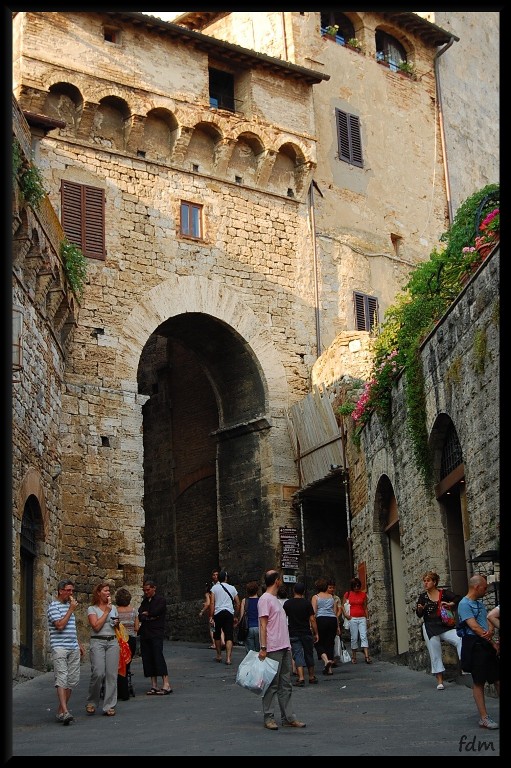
446	614
243	626
347	607
256	675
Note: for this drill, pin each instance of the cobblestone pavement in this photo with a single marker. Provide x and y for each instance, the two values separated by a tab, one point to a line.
381	709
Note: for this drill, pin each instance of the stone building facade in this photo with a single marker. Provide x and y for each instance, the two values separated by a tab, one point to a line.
45	314
191	349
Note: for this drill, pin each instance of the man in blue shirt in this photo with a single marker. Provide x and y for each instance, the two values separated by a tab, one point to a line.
66	650
478	652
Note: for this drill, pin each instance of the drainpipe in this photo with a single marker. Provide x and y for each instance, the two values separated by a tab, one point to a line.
442	130
315	263
284	38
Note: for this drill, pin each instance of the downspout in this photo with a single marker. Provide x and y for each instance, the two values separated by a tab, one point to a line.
442	130
315	267
284	38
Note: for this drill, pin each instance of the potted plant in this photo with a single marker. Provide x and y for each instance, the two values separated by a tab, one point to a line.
331	30
406	68
354	43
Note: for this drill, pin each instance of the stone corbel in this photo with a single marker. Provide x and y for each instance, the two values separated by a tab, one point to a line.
303	176
84	130
135	134
223	154
181	145
266	161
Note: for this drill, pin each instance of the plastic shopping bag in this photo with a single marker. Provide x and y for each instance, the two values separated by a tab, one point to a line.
256	675
344	655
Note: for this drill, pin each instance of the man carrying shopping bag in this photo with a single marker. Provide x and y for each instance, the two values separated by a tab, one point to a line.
275	644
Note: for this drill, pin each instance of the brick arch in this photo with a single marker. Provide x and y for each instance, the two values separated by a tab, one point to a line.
286	143
180	295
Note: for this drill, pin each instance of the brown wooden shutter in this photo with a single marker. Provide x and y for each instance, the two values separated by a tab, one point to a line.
366	312
83	218
348	137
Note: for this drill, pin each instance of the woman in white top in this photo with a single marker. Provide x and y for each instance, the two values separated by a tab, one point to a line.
104	650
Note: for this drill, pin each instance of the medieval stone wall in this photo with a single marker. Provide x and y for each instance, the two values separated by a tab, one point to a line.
462	369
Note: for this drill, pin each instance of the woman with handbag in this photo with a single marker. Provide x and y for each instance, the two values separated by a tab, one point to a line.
434	630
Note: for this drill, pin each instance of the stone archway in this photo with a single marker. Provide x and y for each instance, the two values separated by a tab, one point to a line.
213	430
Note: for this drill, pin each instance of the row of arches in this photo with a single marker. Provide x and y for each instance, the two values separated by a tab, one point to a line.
206	142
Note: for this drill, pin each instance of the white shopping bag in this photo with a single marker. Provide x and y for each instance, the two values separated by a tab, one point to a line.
256	675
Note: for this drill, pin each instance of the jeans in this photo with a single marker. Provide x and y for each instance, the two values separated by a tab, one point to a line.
252	639
302	647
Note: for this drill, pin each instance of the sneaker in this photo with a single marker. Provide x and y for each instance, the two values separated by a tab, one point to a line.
59	718
487	722
67	717
293	724
271	725
440	687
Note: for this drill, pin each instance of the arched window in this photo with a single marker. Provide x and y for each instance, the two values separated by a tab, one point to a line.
389	49
345	30
452	455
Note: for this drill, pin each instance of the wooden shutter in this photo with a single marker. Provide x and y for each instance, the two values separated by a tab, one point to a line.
83	218
349	139
366	312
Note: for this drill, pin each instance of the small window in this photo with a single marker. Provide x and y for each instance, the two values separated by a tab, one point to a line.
111	35
83	217
366	312
348	137
389	50
221	90
191	220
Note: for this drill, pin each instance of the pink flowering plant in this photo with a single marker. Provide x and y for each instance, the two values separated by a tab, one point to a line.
489	228
376	394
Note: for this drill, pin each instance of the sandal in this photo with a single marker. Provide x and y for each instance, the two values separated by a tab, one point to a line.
109	712
369	660
164	691
354	660
90	709
152	692
313	680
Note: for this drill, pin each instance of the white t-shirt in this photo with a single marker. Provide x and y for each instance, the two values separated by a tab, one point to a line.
222	600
